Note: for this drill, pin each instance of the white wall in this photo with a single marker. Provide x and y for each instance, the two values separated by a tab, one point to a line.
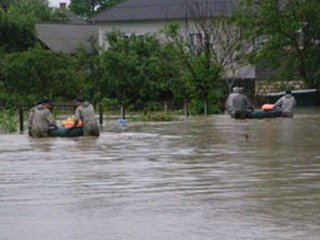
143	27
152	27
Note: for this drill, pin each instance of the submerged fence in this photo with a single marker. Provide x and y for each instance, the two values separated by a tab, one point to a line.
22	112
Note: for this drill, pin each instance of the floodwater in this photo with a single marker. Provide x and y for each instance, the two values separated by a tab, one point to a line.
211	178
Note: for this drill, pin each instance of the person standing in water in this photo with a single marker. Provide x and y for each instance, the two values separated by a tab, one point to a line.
241	105
41	119
229	102
85	112
286	104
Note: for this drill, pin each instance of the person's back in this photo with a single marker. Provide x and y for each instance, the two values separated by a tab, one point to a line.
85	112
40	121
240	103
286	104
229	102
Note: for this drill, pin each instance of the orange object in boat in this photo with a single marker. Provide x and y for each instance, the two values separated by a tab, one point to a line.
70	123
267	107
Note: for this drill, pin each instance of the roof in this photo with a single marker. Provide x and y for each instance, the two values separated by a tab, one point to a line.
165	10
66	37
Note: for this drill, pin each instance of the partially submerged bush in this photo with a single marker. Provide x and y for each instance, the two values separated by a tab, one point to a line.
8	120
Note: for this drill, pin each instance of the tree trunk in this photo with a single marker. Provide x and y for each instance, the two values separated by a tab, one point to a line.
100	113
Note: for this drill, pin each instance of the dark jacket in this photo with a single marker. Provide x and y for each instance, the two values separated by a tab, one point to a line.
241	103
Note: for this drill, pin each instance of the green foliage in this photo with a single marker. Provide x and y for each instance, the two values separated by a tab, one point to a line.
28	11
8	120
201	73
89	65
14	36
59	15
215	102
10	99
18	19
202	76
110	104
131	69
41	73
286	35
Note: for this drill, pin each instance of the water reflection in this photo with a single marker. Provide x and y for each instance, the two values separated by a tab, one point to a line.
205	178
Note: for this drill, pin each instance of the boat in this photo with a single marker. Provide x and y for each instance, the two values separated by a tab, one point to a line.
306	97
259	113
66	132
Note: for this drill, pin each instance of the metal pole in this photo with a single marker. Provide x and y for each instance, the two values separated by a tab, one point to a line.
100	114
21	119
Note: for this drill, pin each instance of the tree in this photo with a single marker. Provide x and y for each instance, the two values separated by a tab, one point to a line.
165	67
88	8
286	36
15	36
41	73
218	37
18	19
30	12
201	72
90	65
127	70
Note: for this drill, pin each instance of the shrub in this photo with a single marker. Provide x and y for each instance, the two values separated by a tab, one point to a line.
8	120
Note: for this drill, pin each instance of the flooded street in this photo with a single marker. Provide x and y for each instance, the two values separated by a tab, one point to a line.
211	178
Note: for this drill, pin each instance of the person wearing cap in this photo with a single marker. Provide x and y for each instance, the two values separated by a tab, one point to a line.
85	113
41	119
286	104
241	104
229	102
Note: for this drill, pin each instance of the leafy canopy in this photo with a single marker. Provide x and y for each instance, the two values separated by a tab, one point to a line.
286	36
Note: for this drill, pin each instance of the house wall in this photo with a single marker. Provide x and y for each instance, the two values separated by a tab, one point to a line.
153	27
265	85
139	28
262	88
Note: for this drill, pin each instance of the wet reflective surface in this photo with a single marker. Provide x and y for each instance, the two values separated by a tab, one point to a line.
205	178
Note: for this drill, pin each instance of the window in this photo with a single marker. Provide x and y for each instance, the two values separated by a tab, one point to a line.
196	42
129	35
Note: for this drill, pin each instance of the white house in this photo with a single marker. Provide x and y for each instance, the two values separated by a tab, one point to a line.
150	16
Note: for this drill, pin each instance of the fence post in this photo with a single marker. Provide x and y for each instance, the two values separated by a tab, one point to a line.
21	120
100	114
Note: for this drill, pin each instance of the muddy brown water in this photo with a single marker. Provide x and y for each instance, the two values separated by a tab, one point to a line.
199	179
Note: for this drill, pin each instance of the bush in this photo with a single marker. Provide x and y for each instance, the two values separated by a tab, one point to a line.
197	107
110	104
8	120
